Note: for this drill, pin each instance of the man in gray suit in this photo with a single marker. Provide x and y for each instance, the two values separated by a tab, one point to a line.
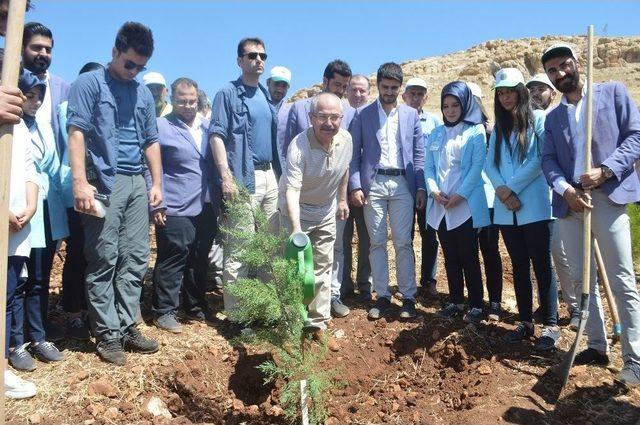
613	183
387	176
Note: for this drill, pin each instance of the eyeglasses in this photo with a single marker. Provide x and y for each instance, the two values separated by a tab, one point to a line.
182	102
128	64
254	55
332	117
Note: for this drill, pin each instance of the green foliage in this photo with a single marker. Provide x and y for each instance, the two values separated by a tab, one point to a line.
634	215
273	307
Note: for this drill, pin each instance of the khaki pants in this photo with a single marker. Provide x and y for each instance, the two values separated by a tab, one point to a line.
323	236
265	198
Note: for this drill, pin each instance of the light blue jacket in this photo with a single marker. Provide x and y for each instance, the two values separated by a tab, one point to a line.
524	178
50	189
473	154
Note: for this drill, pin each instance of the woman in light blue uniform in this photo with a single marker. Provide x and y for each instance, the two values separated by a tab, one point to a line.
48	226
522	207
453	165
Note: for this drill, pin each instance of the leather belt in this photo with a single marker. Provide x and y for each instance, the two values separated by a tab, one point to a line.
263	166
391	172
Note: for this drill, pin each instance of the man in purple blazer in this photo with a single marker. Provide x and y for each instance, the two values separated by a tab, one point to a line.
186	222
387	177
613	183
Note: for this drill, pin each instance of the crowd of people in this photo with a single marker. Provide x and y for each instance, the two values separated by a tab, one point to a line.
95	161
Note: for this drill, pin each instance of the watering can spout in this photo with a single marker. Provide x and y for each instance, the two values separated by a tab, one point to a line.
298	248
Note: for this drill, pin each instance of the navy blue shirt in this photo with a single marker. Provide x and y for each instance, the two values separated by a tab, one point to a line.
261	119
129	152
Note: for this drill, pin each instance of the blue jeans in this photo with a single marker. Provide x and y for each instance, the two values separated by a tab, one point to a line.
14	268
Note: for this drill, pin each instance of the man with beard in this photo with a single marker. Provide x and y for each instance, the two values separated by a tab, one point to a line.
186	223
37	48
613	183
157	85
335	80
542	92
387	179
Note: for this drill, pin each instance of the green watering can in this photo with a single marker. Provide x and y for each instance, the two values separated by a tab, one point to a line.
299	250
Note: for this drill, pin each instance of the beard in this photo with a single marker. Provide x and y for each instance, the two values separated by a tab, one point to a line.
568	83
39	65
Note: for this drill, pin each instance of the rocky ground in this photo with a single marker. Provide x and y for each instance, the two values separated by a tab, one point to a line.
426	371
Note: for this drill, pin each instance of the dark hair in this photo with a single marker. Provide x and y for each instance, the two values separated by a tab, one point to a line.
183	80
391	71
505	124
35	28
90	66
203	100
248	40
337	66
134	35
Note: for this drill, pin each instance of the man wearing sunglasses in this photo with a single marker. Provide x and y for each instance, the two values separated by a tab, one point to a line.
111	123
245	148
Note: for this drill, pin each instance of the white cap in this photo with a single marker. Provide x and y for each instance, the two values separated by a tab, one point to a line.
416	82
508	77
541	78
153	78
475	89
280	73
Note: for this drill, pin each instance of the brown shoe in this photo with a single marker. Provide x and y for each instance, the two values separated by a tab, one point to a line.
321	336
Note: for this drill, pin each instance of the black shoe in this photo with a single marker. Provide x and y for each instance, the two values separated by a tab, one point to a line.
591	356
450	311
380	308
133	340
204	316
408	310
537	315
53	332
78	329
522	332
110	350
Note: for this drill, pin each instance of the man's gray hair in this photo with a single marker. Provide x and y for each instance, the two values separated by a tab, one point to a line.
323	96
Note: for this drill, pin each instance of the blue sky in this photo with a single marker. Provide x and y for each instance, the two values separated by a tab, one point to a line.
198	39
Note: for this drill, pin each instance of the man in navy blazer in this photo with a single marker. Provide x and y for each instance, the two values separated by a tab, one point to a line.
387	177
336	77
186	222
613	183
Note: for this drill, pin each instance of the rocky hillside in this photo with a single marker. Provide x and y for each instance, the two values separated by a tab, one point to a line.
615	58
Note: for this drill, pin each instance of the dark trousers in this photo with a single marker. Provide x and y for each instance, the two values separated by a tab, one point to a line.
530	244
15	264
74	296
363	273
183	248
488	239
462	262
429	249
32	295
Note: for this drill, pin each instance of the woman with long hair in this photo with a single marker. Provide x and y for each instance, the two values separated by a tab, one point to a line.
522	207
454	159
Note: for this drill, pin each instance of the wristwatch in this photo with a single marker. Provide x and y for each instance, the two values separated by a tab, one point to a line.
606	171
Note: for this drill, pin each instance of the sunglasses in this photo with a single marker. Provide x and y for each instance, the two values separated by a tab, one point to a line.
254	55
132	65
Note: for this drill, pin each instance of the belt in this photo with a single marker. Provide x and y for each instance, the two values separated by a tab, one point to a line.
263	166
391	172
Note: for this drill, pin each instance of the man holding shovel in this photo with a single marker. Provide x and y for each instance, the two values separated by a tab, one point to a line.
612	182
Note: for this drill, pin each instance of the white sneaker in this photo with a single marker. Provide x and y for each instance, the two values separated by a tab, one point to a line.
16	387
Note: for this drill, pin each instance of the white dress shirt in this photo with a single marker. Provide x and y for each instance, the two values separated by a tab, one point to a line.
43	115
390	147
577	122
200	143
450	177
